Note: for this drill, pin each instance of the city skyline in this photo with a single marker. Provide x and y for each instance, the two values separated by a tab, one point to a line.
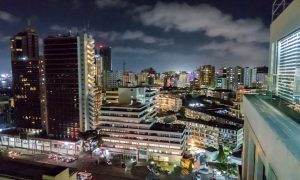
142	39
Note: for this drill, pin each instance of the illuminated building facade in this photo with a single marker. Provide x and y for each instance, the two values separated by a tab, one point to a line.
129	127
207	76
72	84
168	102
26	84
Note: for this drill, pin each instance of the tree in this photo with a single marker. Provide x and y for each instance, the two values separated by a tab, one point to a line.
91	139
182	111
221	156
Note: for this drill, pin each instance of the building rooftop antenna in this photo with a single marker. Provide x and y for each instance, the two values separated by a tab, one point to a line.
278	7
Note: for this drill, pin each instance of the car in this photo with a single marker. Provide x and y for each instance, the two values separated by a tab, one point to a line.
203	171
108	162
123	165
84	175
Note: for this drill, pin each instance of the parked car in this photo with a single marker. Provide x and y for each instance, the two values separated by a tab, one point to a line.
84	175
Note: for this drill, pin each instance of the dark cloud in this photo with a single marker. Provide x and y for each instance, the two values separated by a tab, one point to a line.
133	50
134	35
111	3
7	17
204	18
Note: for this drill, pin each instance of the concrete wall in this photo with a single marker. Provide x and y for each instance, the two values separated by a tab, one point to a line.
262	147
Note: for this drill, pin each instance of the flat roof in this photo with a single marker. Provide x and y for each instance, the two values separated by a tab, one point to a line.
134	105
284	121
211	111
16	132
27	169
210	123
168	127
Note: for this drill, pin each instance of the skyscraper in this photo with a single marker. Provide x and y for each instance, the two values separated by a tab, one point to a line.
25	72
105	54
207	76
72	91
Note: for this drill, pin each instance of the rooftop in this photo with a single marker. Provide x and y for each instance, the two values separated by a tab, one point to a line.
134	105
24	135
212	112
209	123
284	121
168	127
20	169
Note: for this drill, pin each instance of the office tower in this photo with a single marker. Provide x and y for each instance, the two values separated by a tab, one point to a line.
25	72
247	77
284	64
207	76
105	54
72	90
271	130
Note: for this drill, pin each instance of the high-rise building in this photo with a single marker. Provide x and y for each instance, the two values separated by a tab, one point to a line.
183	80
5	112
26	84
111	79
261	77
253	77
284	67
221	83
73	92
238	77
234	76
207	76
247	77
105	54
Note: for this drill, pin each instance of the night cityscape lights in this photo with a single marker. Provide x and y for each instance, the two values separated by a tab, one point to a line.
119	89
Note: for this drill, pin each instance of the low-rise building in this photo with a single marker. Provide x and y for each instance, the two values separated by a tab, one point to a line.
167	102
11	169
15	139
205	134
129	127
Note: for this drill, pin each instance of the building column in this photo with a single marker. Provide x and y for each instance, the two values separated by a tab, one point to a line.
258	171
251	159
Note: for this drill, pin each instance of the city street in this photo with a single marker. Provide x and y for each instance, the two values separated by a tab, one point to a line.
84	163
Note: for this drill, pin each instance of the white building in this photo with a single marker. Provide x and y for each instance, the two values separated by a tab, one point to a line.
205	134
129	128
284	67
271	140
168	102
39	145
247	77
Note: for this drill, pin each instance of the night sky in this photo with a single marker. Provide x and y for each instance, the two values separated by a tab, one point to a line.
165	35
